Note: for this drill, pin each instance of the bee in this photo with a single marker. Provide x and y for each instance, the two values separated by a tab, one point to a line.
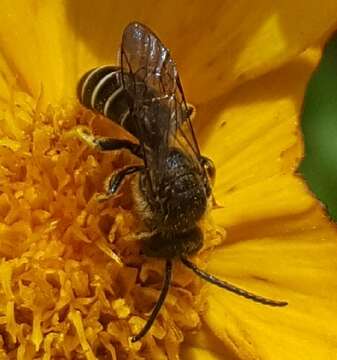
144	95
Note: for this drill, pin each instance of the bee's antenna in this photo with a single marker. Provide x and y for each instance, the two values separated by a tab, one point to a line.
226	285
156	309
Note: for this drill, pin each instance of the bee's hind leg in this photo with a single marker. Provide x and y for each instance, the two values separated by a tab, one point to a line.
106	143
115	181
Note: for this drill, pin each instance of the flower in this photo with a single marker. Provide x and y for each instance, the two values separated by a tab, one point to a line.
64	290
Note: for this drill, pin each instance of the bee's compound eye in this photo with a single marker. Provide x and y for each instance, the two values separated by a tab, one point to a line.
209	167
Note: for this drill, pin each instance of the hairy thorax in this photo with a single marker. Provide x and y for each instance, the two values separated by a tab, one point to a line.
172	214
181	199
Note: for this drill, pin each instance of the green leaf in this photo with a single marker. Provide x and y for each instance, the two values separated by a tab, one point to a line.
319	126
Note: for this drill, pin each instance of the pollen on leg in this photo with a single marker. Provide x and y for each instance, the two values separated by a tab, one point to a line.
73	283
84	134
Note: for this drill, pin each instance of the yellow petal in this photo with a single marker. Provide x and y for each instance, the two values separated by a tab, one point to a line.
299	267
272	198
50	44
191	353
7	80
248	38
253	134
204	345
35	44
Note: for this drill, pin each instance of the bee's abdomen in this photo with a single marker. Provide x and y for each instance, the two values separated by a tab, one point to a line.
101	90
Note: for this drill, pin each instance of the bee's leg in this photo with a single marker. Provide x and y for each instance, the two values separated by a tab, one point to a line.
115	181
106	143
160	302
110	144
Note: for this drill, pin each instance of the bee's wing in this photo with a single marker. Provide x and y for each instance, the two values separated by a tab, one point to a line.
184	129
148	61
156	100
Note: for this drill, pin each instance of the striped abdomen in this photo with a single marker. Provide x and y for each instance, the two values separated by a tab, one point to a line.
101	90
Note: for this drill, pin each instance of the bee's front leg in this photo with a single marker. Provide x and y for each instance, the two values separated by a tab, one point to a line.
115	181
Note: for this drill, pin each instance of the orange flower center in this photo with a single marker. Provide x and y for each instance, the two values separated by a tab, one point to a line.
73	282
